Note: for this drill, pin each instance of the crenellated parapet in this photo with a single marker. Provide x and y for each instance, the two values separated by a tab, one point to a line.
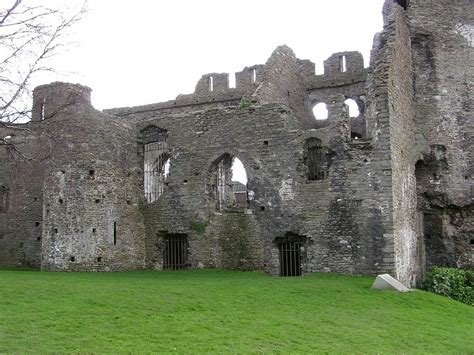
342	68
283	78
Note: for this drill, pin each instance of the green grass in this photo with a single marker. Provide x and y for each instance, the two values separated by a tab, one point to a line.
222	311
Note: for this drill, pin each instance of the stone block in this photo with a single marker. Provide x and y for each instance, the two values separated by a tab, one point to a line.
387	282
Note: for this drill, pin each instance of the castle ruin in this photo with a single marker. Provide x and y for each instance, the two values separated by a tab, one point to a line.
388	191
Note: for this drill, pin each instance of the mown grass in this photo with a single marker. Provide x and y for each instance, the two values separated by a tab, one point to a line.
217	311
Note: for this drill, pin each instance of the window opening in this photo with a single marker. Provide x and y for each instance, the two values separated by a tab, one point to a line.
320	111
115	233
156	170
229	183
221	183
211	83
353	108
232	81
318	159
403	3
175	252
239	183
342	64
254	75
290	259
42	108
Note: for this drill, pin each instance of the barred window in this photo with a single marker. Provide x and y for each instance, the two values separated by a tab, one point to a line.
156	169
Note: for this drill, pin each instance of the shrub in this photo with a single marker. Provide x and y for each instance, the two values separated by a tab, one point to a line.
456	284
199	227
244	103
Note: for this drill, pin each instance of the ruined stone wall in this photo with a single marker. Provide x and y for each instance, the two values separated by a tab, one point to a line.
442	46
398	196
346	215
390	125
91	192
400	104
283	82
342	219
230	238
21	185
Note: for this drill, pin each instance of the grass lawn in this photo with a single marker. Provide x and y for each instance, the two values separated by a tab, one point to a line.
223	311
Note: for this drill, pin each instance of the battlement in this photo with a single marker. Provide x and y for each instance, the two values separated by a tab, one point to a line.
340	68
247	79
51	98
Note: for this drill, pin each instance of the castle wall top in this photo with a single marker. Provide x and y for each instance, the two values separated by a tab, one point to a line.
52	98
339	69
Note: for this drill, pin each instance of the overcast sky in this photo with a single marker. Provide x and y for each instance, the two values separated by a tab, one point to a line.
145	51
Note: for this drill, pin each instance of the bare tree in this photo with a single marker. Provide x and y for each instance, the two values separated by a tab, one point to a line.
29	36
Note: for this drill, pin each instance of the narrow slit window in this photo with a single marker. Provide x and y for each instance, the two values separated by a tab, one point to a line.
343	64
211	83
115	233
232	81
42	108
254	75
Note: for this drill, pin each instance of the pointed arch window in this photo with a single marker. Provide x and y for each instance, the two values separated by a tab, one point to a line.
156	162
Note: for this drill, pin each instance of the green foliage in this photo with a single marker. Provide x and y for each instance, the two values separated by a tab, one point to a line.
456	284
217	311
199	227
244	103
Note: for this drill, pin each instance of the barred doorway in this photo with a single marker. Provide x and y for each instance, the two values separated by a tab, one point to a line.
175	252
290	259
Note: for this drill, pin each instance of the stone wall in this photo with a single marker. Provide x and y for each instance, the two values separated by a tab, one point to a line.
400	104
91	193
21	183
385	192
442	55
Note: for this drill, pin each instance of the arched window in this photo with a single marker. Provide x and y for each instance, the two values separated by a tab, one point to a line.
228	181
239	183
353	108
318	159
320	111
156	162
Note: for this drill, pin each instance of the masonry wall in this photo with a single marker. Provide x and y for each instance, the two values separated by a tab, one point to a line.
343	220
442	46
91	192
394	200
231	238
21	185
407	238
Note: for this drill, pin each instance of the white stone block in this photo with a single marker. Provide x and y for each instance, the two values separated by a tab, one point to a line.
387	282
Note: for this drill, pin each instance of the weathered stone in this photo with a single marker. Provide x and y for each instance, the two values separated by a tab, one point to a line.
387	282
87	190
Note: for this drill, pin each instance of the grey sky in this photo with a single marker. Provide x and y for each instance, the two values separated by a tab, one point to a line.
144	51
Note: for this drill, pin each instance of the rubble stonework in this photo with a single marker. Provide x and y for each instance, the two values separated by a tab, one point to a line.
389	191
